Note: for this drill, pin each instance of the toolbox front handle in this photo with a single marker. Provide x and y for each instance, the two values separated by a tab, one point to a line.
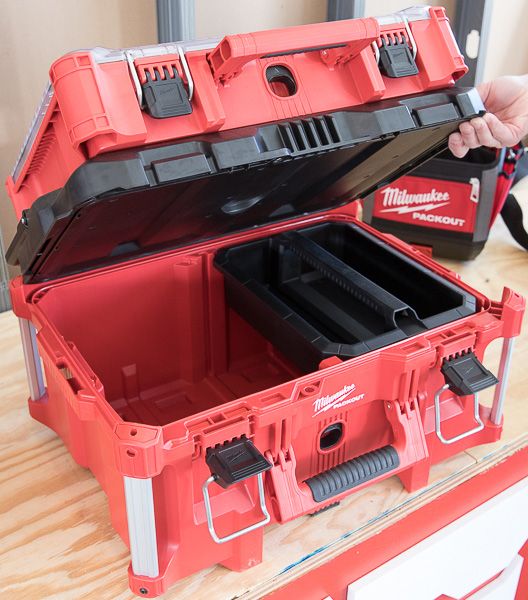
353	473
337	41
403	456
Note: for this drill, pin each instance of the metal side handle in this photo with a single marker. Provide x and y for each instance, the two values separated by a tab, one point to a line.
235	534
438	420
231	463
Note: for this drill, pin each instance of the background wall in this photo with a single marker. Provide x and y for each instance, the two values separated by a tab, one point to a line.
35	32
216	18
508	43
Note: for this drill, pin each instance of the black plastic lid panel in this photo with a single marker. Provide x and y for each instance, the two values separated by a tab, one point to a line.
137	202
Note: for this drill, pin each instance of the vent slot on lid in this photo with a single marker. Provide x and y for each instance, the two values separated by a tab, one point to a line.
310	134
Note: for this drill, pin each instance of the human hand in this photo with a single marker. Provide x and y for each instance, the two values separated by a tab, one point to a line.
505	123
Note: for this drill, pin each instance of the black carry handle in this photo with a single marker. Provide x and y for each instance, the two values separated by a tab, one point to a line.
512	216
353	472
515	167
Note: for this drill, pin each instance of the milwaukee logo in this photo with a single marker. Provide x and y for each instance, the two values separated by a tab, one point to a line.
337	400
401	202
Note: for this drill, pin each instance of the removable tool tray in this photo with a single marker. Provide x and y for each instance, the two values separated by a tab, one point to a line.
335	290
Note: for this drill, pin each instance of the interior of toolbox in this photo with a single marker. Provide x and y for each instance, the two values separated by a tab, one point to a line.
164	343
168	342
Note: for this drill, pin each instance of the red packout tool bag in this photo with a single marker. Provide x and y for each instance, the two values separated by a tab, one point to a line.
223	343
448	205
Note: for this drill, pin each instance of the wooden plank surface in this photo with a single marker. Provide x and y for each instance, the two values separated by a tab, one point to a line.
56	538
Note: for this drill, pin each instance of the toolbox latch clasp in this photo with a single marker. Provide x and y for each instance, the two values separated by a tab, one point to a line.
465	375
396	59
231	463
160	89
165	95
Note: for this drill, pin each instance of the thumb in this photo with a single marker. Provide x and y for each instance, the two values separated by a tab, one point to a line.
505	133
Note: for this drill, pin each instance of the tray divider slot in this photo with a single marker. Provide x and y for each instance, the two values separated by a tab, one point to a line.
346	277
349	329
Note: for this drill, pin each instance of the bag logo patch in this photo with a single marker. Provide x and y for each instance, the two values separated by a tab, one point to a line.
424	202
401	202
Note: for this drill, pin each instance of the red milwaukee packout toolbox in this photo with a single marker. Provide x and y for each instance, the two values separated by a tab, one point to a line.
224	344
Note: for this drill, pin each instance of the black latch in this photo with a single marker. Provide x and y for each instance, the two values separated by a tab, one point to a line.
235	461
466	375
396	59
166	97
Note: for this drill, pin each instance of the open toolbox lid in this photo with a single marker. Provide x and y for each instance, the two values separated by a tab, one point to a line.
137	151
136	202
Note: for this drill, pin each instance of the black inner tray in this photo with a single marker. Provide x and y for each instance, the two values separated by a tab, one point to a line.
335	290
